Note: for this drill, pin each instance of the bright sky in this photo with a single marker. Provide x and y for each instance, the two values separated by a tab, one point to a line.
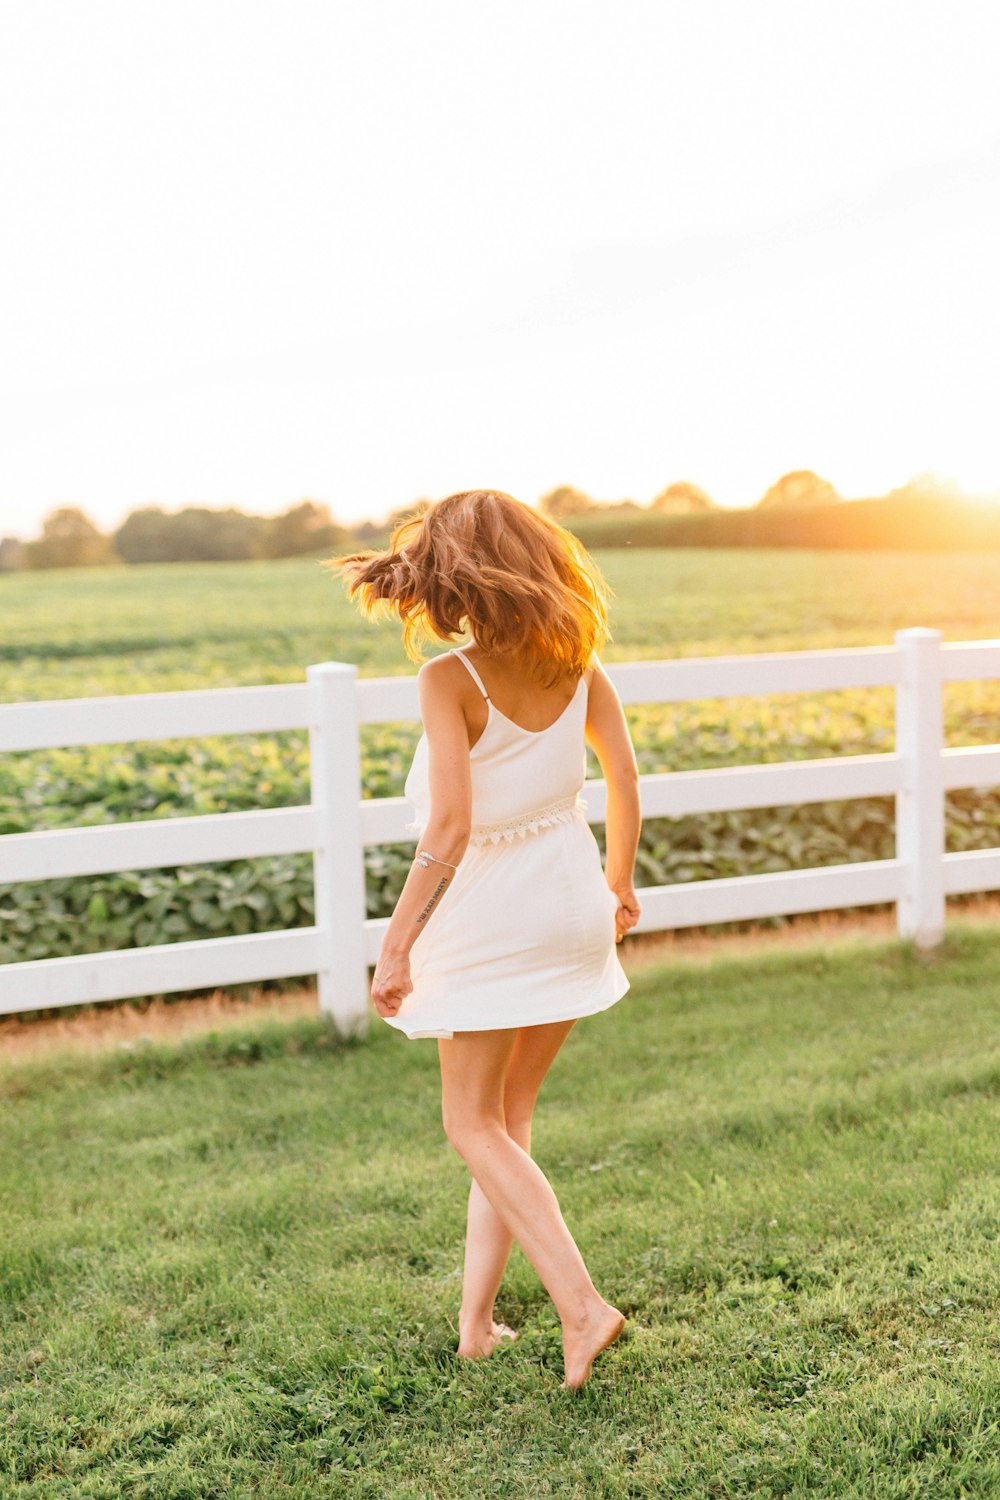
370	250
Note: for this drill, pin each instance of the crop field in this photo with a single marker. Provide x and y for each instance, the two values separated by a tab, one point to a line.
84	632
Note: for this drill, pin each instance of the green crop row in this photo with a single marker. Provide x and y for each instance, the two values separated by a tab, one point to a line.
101	784
96	913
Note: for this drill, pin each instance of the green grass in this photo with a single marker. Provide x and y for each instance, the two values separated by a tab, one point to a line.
231	1267
78	632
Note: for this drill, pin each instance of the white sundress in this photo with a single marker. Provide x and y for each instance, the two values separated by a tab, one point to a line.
525	931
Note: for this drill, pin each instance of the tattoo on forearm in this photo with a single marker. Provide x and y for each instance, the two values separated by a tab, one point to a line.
440	888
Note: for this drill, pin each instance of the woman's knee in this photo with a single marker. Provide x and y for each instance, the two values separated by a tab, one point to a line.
465	1128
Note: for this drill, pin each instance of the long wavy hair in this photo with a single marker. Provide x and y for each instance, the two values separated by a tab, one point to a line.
482	563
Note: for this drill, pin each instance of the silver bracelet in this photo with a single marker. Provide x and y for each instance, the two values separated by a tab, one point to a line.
423	859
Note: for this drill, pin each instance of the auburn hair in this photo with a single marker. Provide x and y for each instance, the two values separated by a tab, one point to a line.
480	562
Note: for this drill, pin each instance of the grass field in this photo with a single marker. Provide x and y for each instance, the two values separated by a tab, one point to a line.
231	1267
83	631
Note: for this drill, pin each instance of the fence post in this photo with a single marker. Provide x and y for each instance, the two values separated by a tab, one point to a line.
338	855
920	910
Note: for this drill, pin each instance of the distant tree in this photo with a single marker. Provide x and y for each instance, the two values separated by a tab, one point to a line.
365	533
143	536
798	491
403	513
69	539
11	554
208	535
682	498
563	501
306	527
195	534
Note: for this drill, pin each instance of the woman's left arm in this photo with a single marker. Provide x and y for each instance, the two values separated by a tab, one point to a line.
445	835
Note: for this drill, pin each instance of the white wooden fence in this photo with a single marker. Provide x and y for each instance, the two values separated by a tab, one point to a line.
337	825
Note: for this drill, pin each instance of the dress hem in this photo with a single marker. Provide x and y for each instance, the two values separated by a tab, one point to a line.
444	1035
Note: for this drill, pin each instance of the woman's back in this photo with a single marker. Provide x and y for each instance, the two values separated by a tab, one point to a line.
511	682
522	779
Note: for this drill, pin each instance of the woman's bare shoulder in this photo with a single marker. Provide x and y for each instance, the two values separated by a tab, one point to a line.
436	668
441	677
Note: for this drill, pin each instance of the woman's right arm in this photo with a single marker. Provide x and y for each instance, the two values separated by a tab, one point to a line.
607	732
446	835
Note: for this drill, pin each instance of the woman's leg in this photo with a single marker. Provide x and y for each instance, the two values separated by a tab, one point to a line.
488	1241
473	1070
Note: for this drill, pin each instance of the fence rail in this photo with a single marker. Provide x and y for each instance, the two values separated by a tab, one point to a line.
338	824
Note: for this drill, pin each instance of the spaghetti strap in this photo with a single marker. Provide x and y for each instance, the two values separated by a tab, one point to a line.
457	651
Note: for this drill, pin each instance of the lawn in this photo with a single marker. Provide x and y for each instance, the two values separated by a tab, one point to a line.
231	1266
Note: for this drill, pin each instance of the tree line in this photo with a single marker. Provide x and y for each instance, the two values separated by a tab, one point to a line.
196	533
800	509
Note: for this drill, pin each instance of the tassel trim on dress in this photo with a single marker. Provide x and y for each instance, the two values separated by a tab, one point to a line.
563	811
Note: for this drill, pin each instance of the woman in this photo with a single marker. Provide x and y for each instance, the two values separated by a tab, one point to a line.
504	933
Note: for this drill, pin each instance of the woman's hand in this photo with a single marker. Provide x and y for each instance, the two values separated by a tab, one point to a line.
392	982
629	911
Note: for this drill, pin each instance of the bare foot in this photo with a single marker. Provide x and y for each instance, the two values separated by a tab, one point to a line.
581	1344
480	1347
